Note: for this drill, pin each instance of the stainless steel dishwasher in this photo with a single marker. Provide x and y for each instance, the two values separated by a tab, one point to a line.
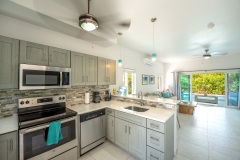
92	130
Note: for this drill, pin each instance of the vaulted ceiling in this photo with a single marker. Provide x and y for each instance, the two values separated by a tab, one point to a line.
181	30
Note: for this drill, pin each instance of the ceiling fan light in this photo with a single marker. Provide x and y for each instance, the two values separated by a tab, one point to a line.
206	56
88	22
154	57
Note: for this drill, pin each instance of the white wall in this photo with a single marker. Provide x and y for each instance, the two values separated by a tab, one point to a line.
131	59
221	62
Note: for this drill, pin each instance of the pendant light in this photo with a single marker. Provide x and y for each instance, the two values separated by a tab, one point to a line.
120	48
154	55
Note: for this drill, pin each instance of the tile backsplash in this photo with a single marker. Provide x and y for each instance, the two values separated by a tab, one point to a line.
74	95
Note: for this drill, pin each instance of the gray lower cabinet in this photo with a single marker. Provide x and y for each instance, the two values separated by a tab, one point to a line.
59	57
84	69
110	128
131	137
9	53
106	71
33	53
8	146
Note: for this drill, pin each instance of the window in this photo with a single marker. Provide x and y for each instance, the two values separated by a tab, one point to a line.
160	82
129	79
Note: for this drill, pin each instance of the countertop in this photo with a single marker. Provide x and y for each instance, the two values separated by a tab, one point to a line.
152	99
154	113
9	124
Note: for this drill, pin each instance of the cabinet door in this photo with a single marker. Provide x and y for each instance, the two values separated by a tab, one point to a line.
102	71
59	57
111	72
32	53
9	52
91	70
121	133
110	128
78	68
8	145
137	140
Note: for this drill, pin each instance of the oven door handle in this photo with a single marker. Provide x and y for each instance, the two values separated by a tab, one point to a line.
27	130
61	79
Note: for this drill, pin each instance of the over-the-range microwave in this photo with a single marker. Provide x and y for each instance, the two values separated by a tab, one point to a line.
43	77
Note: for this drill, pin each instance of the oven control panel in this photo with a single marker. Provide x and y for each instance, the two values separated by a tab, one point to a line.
37	101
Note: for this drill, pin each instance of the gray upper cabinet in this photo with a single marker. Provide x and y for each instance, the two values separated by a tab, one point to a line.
59	57
111	72
78	68
91	70
106	71
8	146
9	53
32	53
84	69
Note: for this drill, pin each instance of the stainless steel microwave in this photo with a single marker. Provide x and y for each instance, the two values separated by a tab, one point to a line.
43	77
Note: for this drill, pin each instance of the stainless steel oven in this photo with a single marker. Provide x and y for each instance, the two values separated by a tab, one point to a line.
43	77
33	145
35	116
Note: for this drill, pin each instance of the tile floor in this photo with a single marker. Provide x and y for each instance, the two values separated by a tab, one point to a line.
212	133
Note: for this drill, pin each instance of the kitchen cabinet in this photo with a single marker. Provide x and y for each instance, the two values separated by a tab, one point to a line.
9	53
59	57
110	128
38	54
106	71
131	137
84	69
33	53
160	139
8	145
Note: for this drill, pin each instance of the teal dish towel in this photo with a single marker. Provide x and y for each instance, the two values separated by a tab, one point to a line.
54	133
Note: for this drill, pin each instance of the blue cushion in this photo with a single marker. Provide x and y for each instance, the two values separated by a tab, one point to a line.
166	94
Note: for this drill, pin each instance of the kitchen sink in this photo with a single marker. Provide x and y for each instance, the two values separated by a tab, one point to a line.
137	109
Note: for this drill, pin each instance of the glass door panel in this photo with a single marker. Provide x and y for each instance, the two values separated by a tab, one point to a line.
233	80
185	87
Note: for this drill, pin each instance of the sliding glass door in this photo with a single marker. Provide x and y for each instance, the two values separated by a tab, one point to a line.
185	87
233	81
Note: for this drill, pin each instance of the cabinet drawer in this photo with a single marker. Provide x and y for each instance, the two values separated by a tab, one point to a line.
155	125
110	111
131	118
153	154
155	140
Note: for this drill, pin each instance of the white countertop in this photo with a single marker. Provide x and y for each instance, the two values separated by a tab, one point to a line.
152	99
158	114
9	124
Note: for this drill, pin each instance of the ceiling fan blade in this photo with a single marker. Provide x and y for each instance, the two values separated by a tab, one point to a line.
218	53
106	33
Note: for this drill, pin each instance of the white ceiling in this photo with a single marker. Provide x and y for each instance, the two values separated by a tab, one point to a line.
180	30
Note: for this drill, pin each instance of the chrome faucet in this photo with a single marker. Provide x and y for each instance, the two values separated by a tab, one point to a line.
141	95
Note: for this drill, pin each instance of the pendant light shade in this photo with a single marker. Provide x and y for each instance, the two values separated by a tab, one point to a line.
154	57
120	60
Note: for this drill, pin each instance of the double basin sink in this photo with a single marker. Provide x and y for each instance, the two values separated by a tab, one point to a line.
137	109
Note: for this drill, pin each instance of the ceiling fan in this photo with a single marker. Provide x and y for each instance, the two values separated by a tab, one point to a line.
208	55
89	23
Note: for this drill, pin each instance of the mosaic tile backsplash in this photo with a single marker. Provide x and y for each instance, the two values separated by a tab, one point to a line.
74	95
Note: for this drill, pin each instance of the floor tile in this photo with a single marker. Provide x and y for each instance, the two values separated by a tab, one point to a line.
179	157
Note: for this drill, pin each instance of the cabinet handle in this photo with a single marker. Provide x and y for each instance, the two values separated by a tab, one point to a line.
87	78
51	57
154	138
154	125
112	122
125	129
153	157
11	145
83	78
129	129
